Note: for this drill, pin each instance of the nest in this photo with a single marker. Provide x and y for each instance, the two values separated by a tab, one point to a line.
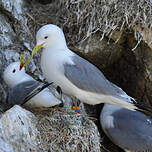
66	131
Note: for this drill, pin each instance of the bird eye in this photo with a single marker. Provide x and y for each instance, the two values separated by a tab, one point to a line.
45	37
14	71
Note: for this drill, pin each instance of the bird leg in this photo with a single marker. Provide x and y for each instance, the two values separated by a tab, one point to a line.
59	90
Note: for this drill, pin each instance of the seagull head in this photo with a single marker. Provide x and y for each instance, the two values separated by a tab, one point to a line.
49	36
13	75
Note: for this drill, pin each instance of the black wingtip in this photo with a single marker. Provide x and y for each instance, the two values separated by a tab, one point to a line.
144	108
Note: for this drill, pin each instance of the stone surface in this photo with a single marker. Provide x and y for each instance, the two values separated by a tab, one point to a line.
99	51
15	12
18	131
7	35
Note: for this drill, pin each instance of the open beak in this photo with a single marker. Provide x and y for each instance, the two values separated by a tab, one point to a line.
25	63
34	51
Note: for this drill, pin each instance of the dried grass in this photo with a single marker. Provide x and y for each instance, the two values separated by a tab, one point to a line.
82	18
66	131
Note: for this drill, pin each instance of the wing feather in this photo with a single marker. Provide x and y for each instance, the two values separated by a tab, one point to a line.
23	92
86	76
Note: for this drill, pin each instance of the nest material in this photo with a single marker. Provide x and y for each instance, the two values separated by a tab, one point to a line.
66	131
81	18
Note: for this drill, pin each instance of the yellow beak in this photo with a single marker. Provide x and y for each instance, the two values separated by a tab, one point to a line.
25	63
34	51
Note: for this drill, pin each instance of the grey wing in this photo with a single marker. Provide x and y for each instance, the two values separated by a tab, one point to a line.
23	92
131	130
86	76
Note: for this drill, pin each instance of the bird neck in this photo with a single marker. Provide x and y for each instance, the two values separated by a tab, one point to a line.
55	50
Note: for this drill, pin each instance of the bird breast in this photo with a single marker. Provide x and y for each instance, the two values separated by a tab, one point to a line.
53	70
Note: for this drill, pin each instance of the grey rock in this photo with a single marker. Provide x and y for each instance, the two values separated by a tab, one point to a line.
7	35
18	131
99	51
16	12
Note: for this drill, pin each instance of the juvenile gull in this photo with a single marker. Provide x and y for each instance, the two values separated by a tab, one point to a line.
76	76
130	130
24	87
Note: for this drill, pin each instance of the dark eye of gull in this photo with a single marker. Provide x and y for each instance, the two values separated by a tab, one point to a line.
45	37
14	71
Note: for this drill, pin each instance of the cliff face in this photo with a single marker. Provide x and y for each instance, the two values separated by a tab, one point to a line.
114	35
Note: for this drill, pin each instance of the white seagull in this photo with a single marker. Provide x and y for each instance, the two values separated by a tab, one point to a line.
26	89
76	76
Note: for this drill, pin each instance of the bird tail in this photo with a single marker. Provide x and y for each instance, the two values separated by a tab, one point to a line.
141	107
134	105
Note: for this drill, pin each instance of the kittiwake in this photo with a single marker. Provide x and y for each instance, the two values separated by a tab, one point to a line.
25	88
76	76
130	130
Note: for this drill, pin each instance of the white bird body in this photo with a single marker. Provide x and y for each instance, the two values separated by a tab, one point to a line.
55	60
43	99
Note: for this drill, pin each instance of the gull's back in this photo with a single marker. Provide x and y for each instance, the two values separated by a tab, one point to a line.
130	130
